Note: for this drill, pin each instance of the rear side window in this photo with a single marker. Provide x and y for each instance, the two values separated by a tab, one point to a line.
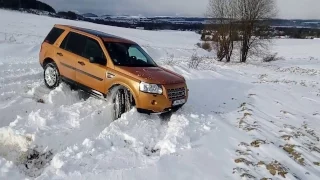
53	35
74	43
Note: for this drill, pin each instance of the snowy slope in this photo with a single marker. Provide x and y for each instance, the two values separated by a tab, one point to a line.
243	121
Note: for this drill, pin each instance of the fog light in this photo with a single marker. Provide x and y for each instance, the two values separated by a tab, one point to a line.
154	102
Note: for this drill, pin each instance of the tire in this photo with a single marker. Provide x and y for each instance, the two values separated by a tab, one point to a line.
122	101
51	75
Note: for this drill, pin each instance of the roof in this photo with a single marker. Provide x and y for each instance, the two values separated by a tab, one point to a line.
102	35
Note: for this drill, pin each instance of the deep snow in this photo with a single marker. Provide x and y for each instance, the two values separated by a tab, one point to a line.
242	121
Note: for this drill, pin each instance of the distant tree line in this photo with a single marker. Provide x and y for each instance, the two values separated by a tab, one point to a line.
291	32
148	25
68	15
297	33
268	32
26	4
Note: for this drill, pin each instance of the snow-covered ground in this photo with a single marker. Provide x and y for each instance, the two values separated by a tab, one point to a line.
242	121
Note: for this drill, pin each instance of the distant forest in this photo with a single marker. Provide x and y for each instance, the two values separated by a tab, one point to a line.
278	27
26	4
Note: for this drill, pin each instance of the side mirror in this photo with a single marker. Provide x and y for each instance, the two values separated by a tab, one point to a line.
98	60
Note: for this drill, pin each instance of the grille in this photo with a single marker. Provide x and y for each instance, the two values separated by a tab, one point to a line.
178	93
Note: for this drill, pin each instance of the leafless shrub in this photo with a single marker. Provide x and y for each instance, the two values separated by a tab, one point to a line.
10	38
195	61
206	46
169	60
272	57
208	39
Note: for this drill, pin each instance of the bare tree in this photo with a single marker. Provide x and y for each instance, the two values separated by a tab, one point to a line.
251	16
243	18
224	12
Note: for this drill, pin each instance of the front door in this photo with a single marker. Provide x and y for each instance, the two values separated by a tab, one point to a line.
89	74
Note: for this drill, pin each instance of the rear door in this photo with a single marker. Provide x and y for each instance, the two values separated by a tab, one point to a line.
89	74
70	50
48	47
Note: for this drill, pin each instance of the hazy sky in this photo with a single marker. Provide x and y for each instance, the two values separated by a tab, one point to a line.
287	8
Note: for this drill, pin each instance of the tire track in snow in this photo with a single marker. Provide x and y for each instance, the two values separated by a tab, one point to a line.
48	124
42	125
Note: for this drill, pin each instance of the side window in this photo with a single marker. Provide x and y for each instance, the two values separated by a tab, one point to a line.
134	52
93	49
53	35
74	43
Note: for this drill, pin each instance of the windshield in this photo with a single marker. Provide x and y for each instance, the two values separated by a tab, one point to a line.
132	55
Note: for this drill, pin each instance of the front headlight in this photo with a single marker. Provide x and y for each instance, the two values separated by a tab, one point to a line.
150	88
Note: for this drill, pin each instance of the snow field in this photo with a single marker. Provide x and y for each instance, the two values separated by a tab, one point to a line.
242	121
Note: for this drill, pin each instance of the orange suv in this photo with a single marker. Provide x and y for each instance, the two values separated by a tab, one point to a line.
110	67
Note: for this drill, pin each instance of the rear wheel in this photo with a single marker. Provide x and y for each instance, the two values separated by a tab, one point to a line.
51	75
122	101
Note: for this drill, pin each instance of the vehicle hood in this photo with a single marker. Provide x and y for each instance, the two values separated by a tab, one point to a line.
154	75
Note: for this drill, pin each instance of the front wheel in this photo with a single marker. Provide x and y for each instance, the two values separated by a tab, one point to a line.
51	75
122	101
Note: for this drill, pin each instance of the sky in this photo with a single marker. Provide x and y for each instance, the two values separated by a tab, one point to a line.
289	9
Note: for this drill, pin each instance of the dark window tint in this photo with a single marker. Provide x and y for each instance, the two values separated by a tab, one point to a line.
93	49
132	55
53	35
74	43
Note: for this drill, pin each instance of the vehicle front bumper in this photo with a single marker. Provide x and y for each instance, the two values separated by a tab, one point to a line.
155	103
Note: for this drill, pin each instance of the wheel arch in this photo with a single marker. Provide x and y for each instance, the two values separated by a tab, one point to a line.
46	61
50	60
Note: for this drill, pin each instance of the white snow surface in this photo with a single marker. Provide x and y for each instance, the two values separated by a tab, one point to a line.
242	121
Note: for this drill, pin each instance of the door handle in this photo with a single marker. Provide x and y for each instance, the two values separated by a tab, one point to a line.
110	75
81	63
60	54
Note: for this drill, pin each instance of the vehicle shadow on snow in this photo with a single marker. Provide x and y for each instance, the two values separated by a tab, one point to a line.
215	96
211	97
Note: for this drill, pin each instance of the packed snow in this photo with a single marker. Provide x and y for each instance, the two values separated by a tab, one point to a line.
242	121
